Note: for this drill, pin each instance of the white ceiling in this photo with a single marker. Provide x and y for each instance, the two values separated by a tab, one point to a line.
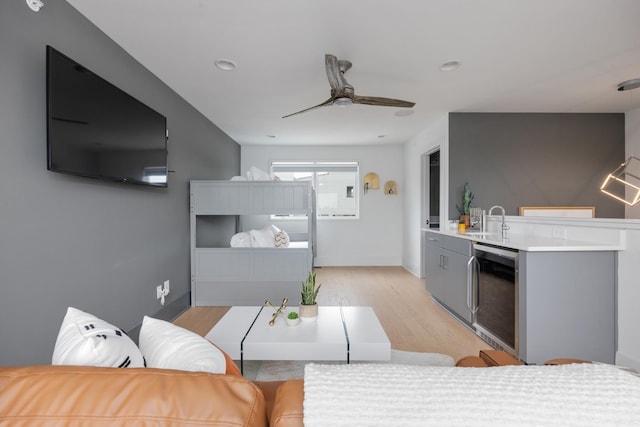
516	55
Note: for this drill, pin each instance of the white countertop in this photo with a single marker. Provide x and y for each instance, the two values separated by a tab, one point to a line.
533	243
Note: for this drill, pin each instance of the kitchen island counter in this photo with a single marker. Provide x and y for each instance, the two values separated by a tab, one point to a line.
535	243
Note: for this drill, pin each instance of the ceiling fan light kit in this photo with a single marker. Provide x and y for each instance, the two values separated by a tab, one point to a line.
342	102
343	94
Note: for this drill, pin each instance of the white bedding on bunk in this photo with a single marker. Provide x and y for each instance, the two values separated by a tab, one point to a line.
268	236
243	240
402	395
299	245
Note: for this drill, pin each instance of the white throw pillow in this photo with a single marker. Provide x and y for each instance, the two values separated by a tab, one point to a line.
280	236
241	240
257	174
84	339
263	238
282	239
167	346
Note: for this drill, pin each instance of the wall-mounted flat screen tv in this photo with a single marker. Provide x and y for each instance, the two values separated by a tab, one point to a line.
96	130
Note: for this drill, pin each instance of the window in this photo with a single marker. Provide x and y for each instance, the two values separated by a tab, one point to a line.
336	185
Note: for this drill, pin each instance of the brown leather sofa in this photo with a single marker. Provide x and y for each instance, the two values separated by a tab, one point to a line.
81	395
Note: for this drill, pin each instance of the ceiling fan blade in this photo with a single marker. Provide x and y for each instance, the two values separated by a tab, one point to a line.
327	102
336	81
381	102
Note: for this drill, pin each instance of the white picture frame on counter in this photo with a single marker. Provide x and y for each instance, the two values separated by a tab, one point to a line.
559	211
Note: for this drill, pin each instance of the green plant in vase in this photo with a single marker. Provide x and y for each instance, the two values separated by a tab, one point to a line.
465	208
292	318
308	305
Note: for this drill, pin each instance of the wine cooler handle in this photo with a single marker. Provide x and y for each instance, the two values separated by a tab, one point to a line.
470	275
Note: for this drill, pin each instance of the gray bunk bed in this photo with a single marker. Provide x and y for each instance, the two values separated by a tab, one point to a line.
222	275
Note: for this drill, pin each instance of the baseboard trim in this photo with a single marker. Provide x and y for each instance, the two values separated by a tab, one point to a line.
410	270
357	262
627	361
168	313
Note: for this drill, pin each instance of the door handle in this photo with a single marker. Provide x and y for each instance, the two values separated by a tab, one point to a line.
470	275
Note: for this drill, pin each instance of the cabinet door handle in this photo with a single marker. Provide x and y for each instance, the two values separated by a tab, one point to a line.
470	286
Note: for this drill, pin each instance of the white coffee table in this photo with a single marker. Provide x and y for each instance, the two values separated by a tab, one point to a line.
338	334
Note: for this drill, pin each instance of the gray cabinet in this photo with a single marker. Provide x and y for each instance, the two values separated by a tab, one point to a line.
448	273
565	303
567	306
434	269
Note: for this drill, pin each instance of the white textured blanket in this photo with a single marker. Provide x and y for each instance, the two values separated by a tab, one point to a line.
401	395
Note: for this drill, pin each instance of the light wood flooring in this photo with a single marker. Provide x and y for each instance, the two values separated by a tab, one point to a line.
412	321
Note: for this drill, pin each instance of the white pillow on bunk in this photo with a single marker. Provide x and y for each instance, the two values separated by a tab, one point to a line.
281	237
241	240
257	174
263	238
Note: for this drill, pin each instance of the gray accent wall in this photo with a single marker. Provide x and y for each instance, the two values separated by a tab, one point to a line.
65	241
535	159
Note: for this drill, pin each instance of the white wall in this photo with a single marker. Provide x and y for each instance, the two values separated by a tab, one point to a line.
373	239
628	284
632	148
435	135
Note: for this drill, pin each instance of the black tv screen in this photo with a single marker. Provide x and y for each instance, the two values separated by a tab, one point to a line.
96	130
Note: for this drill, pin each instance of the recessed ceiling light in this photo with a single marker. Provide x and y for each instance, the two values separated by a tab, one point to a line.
404	113
225	64
450	66
35	5
629	84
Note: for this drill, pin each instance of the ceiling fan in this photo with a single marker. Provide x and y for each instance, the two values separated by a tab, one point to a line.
342	93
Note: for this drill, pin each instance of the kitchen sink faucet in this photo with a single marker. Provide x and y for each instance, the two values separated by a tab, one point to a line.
504	227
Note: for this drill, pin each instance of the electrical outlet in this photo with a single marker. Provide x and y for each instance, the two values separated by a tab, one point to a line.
559	233
162	291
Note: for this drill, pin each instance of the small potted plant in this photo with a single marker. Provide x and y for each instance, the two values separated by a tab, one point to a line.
292	318
465	208
308	305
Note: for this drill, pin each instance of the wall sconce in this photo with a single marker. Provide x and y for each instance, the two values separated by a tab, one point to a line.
371	182
35	5
390	188
623	184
